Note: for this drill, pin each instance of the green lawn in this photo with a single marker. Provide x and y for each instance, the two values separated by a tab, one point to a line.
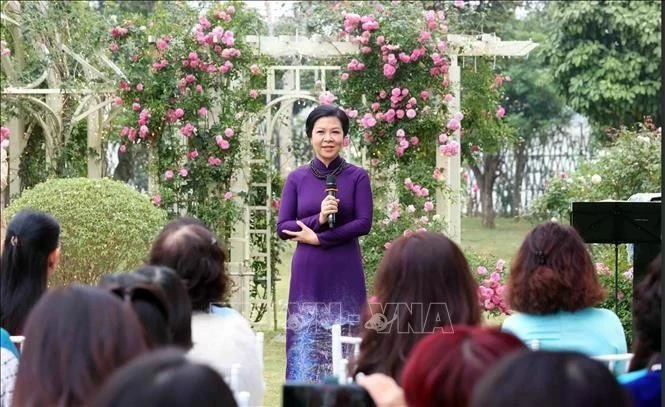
501	242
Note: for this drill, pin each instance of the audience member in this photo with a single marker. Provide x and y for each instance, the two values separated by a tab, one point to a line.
8	368
180	309
423	285
644	381
549	378
165	378
148	301
75	338
31	253
554	287
444	368
221	336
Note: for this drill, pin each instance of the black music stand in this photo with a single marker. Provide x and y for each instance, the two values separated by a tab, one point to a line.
617	222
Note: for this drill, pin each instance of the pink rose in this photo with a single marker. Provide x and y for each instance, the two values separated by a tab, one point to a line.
228	195
203	112
193	154
139	87
183	172
168	174
429	206
500	112
453	124
135	106
414	140
253	93
345	76
228	132
389	71
410	113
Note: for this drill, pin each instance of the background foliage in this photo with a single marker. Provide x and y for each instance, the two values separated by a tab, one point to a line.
105	226
607	57
629	165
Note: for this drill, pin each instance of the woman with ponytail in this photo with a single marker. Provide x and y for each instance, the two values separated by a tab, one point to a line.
30	254
554	288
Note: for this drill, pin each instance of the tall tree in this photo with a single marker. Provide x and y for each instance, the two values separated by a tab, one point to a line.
535	109
607	56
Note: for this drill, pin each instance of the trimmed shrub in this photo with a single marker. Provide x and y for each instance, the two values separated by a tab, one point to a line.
106	226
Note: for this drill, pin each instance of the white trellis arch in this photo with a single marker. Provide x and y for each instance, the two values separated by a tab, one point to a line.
450	209
243	251
91	104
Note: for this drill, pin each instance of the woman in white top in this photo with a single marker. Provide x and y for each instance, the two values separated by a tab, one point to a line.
221	336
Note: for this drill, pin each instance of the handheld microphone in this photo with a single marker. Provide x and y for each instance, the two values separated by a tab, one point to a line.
331	189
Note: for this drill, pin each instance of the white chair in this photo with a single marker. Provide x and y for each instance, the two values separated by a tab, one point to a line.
616	359
340	364
534	344
17	340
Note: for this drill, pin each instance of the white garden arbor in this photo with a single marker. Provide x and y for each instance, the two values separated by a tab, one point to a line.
94	106
447	206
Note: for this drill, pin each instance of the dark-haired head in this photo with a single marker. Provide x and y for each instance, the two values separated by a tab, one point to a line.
647	316
425	285
555	379
178	299
75	337
444	368
148	301
326	111
30	253
195	254
165	378
552	272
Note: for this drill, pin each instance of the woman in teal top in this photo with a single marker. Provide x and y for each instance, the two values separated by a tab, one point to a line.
554	288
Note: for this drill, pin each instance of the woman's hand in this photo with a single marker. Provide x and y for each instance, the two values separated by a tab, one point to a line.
305	235
383	389
328	206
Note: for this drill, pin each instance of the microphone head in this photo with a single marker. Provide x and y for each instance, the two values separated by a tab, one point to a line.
331	181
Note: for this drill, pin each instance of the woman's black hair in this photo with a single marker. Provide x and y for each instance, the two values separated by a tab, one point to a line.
326	111
148	301
178	301
545	378
31	238
165	377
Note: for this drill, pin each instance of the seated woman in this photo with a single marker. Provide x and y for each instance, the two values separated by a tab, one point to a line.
221	336
180	309
554	287
30	254
444	368
165	378
148	301
75	338
423	285
552	379
644	380
8	367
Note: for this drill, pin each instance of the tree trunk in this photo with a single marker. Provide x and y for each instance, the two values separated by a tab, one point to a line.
486	179
520	165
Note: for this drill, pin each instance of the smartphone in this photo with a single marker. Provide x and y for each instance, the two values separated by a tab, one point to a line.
299	394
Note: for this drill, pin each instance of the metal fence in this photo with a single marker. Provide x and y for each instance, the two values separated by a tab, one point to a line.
561	152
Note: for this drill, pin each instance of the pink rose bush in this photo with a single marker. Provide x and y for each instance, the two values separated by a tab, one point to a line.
176	77
491	289
395	86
